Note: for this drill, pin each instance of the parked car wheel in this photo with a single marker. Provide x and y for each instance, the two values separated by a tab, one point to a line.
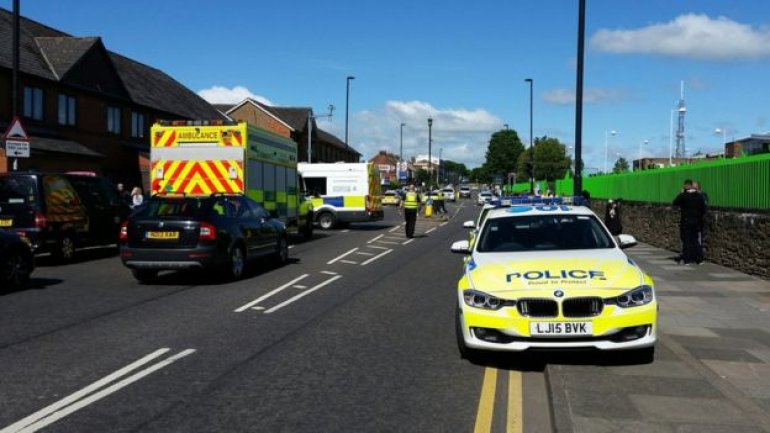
282	251
14	273
326	220
144	276
64	250
236	263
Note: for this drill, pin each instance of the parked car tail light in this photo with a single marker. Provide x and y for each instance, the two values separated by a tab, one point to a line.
208	232
124	232
40	220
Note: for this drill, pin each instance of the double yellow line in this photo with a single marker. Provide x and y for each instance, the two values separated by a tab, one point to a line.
485	412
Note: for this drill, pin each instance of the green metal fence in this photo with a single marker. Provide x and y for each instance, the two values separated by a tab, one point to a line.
742	183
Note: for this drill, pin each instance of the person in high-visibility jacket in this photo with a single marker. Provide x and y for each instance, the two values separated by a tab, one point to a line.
411	207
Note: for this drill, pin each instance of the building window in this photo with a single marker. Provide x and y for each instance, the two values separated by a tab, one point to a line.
33	103
137	125
113	120
67	110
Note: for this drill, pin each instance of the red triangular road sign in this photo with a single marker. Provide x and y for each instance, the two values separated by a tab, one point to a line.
15	130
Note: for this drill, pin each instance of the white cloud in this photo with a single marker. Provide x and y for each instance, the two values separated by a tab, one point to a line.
462	135
692	36
223	95
590	96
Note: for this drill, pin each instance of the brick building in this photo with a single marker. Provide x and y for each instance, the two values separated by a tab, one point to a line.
752	145
294	121
85	107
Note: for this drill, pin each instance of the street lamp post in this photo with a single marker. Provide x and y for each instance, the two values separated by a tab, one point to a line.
401	153
347	101
310	118
606	147
722	131
531	149
430	145
639	164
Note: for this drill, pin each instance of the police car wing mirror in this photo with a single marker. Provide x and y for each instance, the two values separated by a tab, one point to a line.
461	247
469	225
626	241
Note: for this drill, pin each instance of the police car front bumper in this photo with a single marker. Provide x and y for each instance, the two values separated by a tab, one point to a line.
506	330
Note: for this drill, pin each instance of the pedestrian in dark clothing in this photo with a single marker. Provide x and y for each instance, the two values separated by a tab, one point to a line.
612	217
124	195
411	207
696	185
692	208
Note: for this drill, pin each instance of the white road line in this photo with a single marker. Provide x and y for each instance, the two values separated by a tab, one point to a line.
388	242
273	292
394	229
364	254
291	246
341	256
376	257
344	231
329	273
443	224
407	241
392	237
377	247
80	399
369	242
303	294
349	262
430	230
299	286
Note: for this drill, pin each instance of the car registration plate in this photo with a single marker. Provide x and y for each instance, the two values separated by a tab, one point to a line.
6	223
163	235
560	328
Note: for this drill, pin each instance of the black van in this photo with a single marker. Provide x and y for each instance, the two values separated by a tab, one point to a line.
59	212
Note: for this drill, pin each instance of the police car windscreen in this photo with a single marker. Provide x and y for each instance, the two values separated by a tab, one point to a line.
543	233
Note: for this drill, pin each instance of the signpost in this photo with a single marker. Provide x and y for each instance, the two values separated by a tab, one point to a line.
16	142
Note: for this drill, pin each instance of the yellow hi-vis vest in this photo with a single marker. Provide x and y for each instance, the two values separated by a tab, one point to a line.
410	201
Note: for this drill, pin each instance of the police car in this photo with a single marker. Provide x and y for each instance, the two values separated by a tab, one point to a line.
550	276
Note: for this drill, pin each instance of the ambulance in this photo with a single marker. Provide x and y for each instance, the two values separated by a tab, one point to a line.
203	158
343	192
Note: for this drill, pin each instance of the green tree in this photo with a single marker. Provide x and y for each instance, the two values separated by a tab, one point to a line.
503	153
479	174
621	166
420	176
550	160
453	171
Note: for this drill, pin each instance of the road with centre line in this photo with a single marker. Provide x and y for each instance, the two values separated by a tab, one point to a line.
354	334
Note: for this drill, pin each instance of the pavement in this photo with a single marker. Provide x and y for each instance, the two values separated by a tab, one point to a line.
712	362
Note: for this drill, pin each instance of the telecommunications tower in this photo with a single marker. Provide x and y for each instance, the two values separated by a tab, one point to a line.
681	150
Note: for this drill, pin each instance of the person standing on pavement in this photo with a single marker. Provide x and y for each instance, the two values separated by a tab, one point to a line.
692	208
612	217
696	185
411	207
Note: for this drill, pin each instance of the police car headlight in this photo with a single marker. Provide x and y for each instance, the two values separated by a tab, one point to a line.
474	298
641	295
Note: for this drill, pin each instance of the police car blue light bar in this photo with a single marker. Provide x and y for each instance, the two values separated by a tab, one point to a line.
532	200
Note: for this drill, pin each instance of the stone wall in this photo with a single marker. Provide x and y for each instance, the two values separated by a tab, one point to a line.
739	240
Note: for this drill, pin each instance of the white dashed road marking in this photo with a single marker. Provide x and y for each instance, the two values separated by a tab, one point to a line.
269	294
302	295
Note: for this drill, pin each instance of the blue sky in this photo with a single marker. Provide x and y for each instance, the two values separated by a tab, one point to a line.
463	63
